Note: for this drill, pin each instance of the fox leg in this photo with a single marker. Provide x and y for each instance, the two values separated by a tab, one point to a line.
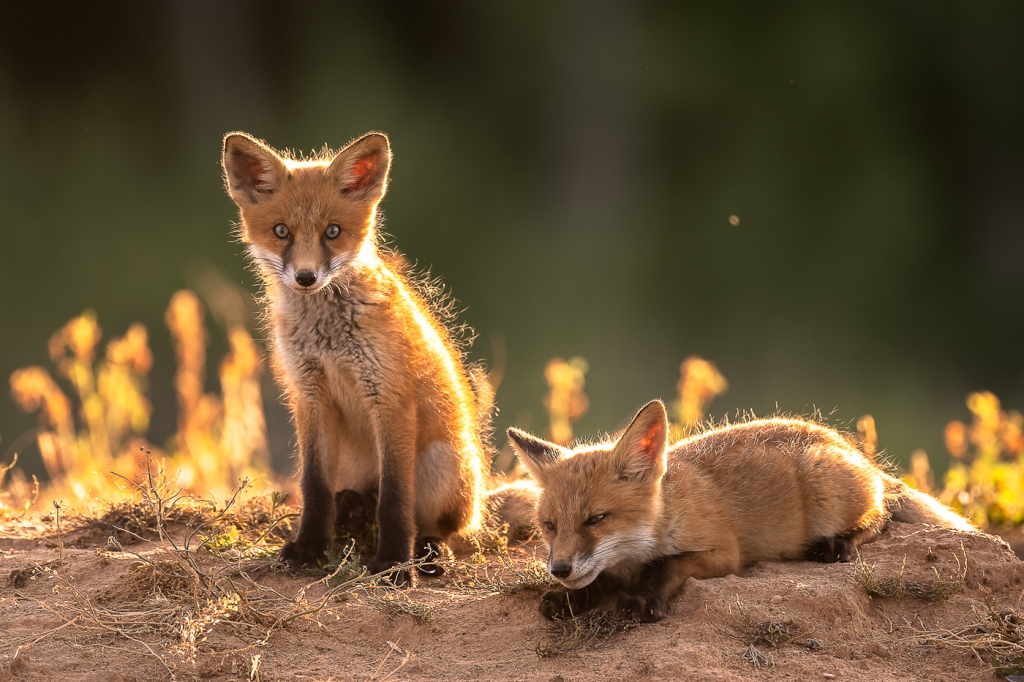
444	501
315	524
663	578
397	499
564	603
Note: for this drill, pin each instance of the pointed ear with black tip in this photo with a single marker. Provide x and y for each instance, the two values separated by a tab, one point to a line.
252	170
641	450
535	453
361	169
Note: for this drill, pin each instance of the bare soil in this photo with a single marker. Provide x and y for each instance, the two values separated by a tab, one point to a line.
821	618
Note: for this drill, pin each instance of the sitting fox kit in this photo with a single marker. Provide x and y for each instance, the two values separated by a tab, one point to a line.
381	402
638	518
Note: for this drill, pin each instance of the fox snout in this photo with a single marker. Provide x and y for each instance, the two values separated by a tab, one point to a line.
574	572
305	278
560	569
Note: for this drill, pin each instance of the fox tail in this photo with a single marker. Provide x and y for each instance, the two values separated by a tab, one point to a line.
907	505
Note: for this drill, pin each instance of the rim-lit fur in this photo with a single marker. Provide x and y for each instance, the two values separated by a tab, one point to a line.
709	505
381	401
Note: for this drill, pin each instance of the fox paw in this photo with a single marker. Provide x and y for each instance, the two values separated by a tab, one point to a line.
430	548
832	550
641	608
300	554
555	604
396	578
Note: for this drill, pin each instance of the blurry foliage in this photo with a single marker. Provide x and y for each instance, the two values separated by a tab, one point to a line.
985	482
565	402
700	382
867	435
101	427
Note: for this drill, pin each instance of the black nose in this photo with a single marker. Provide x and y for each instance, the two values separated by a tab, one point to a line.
560	569
306	278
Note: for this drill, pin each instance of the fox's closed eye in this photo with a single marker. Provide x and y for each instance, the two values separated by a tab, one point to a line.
595	519
549	526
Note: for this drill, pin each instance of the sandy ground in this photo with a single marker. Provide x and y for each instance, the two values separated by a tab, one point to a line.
838	631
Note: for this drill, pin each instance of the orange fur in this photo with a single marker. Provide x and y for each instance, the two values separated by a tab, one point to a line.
637	517
381	401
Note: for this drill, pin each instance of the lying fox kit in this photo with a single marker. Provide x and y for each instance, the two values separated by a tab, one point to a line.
381	402
637	518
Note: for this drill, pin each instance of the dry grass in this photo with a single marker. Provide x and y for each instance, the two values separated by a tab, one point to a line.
394	602
196	570
187	583
996	631
939	589
758	658
756	629
585	631
492	568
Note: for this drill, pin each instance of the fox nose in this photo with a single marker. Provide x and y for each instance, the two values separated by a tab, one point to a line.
306	278
560	569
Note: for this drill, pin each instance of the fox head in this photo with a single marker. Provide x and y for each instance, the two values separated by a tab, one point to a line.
304	221
598	504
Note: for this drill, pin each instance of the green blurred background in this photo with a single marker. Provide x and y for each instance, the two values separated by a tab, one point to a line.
568	169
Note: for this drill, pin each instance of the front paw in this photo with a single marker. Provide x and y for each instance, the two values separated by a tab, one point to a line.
832	550
430	550
646	609
298	554
390	575
556	604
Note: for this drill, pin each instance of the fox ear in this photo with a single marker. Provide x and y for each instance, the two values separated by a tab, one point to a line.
252	170
361	169
641	450
535	453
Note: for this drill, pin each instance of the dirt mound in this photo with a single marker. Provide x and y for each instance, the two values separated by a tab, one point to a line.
794	620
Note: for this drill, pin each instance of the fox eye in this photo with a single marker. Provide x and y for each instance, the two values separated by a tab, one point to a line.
281	231
549	526
594	520
333	231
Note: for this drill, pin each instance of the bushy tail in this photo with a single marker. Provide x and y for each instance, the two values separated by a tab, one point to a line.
510	498
483	392
907	505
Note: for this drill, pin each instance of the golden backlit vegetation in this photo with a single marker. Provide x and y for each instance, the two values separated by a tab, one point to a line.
700	382
565	402
94	415
985	481
100	426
